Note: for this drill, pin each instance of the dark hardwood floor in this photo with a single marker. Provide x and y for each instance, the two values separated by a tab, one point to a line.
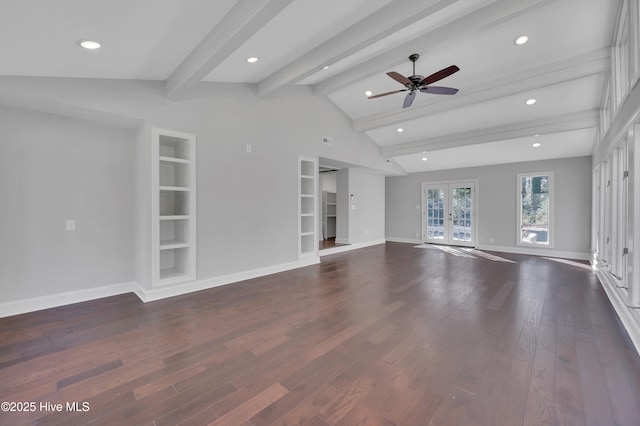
389	334
329	243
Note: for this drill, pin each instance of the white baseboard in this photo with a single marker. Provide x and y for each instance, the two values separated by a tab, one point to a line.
61	299
629	317
342	240
341	249
404	240
157	293
536	252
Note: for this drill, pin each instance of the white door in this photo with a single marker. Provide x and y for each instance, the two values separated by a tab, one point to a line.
448	215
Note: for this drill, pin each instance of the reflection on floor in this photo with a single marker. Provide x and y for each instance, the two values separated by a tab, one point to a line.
466	252
330	243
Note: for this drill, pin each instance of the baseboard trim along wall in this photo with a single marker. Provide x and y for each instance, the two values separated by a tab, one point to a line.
67	298
341	249
629	317
158	293
146	295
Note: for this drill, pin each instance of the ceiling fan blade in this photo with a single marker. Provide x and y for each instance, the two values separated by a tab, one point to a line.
439	90
445	72
399	78
409	99
387	93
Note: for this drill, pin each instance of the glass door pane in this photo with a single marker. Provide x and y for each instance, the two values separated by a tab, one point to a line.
435	214
448	214
461	214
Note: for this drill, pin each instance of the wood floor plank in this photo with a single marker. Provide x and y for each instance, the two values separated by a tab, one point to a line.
384	335
252	406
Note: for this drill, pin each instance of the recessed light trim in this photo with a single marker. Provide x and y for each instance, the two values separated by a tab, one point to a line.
89	44
252	59
520	40
368	93
530	101
399	130
536	144
424	158
325	67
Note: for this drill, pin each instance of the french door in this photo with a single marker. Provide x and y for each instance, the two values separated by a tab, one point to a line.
448	213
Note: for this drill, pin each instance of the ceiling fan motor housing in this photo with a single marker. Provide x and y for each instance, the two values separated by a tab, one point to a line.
415	79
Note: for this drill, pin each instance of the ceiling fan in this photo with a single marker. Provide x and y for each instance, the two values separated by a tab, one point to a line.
421	83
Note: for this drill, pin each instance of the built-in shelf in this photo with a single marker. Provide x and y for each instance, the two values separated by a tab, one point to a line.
175	188
307	195
173	160
167	245
329	212
175	217
174	249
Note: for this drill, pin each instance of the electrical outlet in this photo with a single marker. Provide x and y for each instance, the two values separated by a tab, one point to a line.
71	225
249	147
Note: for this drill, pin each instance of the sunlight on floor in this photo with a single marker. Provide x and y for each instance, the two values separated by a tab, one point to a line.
570	262
466	252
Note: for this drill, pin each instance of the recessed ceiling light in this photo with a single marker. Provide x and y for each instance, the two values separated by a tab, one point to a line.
530	101
424	158
89	44
399	130
326	67
520	40
368	93
252	59
537	144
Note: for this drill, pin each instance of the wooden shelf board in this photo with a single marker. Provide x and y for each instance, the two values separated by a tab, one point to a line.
175	217
173	160
175	188
167	245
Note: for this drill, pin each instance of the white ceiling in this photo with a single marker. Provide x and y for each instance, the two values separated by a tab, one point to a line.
183	42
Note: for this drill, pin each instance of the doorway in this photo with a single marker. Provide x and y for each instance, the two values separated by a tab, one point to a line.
448	213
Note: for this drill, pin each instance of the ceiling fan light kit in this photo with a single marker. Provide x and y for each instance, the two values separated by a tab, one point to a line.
420	83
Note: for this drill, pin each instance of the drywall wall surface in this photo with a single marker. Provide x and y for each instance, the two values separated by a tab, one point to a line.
366	206
342	206
54	169
246	157
497	202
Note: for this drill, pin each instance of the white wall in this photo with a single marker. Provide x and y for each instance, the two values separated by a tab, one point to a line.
246	202
497	202
366	207
342	206
328	182
53	169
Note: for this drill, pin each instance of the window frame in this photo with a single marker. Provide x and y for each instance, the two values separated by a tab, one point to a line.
551	192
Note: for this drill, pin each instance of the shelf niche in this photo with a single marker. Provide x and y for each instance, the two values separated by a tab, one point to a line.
307	202
173	193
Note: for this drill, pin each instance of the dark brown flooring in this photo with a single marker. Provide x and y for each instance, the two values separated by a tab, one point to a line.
389	334
330	243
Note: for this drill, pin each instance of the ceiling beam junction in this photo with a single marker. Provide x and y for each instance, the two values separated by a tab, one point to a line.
239	25
556	124
374	27
546	75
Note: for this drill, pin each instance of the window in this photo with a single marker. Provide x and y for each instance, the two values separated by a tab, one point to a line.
535	209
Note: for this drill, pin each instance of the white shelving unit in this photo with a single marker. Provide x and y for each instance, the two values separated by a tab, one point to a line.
328	214
307	205
174	207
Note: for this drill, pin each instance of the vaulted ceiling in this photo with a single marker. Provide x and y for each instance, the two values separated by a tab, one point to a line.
342	49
